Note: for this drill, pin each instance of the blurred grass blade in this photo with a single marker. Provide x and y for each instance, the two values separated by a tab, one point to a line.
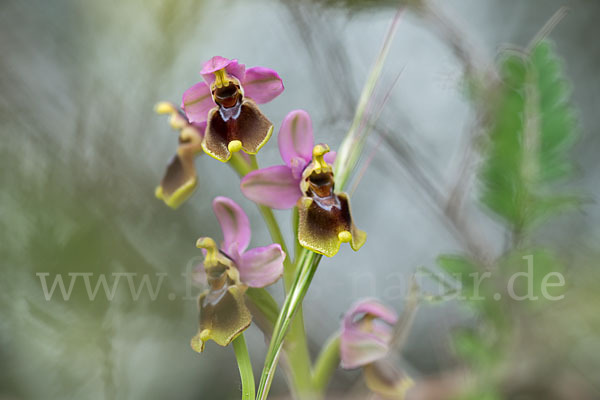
354	142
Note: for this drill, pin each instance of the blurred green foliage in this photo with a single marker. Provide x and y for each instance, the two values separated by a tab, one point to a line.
532	132
528	151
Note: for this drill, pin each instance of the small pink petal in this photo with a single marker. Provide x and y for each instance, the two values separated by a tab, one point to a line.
232	67
274	187
373	308
367	330
330	157
295	137
214	64
262	84
262	266
297	164
359	350
234	223
197	102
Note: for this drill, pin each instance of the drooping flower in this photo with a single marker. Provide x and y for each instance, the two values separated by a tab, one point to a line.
179	180
227	100
230	270
306	181
367	330
365	341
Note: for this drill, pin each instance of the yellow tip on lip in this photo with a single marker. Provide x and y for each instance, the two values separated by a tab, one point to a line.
345	236
205	335
234	146
197	344
164	107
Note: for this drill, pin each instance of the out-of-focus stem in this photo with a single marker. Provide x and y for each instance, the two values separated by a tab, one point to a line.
326	364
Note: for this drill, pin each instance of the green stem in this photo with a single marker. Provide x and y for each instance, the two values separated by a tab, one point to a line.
239	164
273	226
326	364
245	367
296	349
297	346
265	303
293	300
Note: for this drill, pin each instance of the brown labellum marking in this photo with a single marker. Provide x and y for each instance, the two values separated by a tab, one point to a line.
248	125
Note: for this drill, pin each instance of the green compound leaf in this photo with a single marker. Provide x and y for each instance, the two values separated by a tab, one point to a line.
531	135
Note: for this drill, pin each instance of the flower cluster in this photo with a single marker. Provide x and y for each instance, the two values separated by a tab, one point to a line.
220	116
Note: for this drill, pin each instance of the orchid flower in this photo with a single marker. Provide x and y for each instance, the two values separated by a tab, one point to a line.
305	181
227	101
365	341
180	180
230	270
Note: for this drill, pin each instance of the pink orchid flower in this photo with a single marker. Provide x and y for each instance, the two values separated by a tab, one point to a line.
365	341
230	270
227	100
259	84
279	186
367	330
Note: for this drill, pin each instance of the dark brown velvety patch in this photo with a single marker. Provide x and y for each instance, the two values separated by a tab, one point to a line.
216	137
179	171
251	127
224	313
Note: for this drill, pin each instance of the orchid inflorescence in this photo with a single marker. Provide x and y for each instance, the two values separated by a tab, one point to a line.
220	116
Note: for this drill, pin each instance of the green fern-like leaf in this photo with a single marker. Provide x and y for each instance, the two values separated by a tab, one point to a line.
533	130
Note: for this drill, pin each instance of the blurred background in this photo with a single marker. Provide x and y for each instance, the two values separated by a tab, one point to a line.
82	152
